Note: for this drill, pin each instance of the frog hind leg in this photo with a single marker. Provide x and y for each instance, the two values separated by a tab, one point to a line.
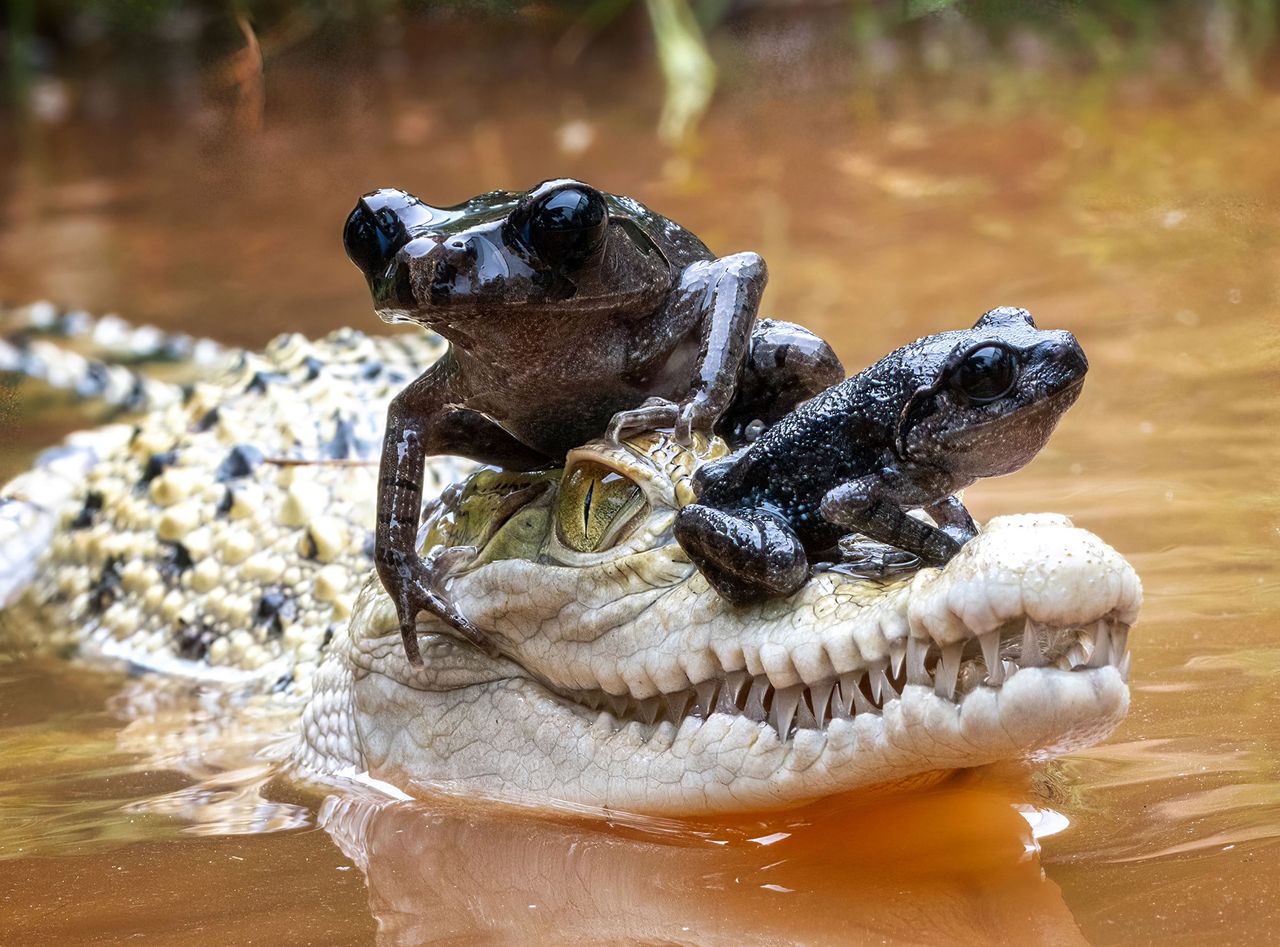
870	506
786	364
745	555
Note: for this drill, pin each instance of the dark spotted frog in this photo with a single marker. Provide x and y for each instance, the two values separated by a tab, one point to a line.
570	312
907	433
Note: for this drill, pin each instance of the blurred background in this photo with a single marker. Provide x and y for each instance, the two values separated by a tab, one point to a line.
191	162
902	166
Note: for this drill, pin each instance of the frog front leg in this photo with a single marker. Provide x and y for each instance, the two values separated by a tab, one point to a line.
424	420
718	300
874	506
745	555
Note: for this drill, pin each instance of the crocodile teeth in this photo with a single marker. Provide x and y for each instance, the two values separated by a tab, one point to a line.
860	703
755	699
897	654
732	690
879	684
805	720
1124	667
820	696
647	710
1032	656
842	704
1101	646
1120	641
916	651
948	670
677	705
706	701
991	655
1075	656
784	709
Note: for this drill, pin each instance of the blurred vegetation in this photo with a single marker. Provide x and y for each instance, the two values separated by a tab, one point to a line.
1227	41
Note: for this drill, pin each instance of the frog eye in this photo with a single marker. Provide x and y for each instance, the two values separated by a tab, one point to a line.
566	227
987	374
595	507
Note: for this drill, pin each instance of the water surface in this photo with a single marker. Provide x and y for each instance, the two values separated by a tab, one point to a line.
1145	221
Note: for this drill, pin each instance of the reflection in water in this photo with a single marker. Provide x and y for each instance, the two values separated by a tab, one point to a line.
227	803
958	865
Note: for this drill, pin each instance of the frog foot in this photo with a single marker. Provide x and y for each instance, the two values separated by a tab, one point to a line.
697	416
425	592
868	559
745	555
652	414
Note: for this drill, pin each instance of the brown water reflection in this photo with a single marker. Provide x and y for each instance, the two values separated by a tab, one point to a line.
1146	223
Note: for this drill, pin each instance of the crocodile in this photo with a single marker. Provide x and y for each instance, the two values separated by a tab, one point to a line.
226	534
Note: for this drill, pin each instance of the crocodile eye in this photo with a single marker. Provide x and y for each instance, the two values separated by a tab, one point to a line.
566	227
595	507
986	374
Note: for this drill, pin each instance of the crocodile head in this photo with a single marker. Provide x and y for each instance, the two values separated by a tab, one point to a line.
625	682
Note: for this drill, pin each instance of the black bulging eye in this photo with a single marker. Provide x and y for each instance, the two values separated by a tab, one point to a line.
567	227
373	234
986	374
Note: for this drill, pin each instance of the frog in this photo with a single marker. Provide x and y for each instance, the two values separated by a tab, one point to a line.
570	313
833	483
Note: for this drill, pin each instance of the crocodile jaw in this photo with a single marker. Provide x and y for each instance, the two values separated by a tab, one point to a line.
606	712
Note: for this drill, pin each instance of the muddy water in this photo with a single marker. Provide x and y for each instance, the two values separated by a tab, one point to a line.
1146	222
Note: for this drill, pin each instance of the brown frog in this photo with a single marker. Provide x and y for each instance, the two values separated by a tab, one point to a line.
570	312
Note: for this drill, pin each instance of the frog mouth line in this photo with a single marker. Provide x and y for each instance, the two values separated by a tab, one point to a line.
951	671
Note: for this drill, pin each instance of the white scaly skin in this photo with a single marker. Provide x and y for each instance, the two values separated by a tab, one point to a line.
583	632
89	536
597	701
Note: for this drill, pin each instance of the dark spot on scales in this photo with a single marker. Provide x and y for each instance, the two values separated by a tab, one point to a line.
209	419
343	444
224	505
314	367
92	507
346	443
328	636
282	682
371	370
155	466
94	382
276	609
136	400
239	463
174	561
106	588
192	641
258	383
